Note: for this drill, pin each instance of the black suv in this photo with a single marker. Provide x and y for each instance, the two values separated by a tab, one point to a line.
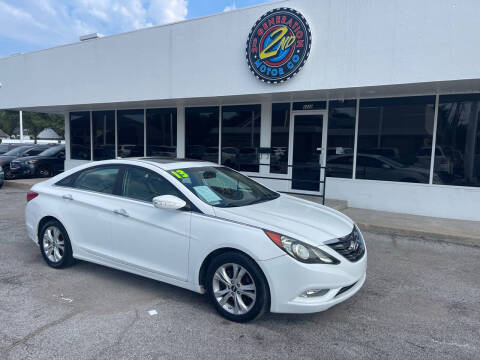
48	163
19	152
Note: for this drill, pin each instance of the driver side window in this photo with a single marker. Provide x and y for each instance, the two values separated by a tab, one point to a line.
144	185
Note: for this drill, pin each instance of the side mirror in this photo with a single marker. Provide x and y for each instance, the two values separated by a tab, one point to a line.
168	202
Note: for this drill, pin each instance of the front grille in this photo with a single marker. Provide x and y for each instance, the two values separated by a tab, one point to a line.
350	247
343	289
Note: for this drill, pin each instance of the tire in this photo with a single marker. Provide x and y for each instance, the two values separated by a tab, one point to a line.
59	241
8	174
239	305
44	171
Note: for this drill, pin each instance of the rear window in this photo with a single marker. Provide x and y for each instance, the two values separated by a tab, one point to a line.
101	180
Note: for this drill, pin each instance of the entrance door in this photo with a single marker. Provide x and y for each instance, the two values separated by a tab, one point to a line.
309	154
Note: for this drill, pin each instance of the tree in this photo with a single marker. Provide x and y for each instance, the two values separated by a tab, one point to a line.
36	122
8	121
33	121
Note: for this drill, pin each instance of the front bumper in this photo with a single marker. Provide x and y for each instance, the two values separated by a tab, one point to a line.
22	169
289	279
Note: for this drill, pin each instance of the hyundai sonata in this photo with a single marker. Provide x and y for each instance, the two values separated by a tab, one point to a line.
203	227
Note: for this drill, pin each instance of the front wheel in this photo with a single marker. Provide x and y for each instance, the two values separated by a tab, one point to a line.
237	287
8	174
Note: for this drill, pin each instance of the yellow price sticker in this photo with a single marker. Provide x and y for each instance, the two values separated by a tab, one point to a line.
180	174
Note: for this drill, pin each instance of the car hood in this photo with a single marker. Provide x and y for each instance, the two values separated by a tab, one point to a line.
294	217
26	158
6	159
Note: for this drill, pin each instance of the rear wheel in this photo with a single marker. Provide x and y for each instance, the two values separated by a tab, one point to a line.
237	287
55	245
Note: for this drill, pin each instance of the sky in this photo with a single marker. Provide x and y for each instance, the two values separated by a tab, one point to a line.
29	25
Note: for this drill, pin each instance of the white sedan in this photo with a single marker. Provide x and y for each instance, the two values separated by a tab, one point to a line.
203	227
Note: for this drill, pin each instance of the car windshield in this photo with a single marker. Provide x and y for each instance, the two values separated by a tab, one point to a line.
223	187
51	151
17	151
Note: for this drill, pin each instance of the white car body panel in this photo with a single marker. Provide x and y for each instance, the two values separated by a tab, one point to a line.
161	246
294	217
171	245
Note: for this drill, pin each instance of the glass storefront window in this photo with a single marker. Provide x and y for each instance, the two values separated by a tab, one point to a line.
162	132
341	138
103	123
130	128
80	135
395	139
241	137
279	140
201	133
457	150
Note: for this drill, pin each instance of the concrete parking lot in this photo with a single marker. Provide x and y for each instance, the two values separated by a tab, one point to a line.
421	300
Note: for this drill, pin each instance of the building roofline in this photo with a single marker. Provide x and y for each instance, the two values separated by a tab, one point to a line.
147	28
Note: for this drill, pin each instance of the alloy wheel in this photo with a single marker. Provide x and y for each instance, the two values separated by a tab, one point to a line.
44	172
53	244
8	175
234	289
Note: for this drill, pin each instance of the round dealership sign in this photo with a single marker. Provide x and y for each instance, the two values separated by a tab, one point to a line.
278	45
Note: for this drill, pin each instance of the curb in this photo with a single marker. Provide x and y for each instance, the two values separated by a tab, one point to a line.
424	235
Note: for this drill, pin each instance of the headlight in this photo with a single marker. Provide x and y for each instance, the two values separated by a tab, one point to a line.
300	251
30	162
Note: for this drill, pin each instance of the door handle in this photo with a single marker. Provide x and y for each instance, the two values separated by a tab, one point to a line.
121	212
67	197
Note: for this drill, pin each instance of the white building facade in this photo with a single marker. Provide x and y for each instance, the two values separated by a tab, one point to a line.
386	104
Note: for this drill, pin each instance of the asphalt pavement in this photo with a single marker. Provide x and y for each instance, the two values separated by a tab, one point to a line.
421	300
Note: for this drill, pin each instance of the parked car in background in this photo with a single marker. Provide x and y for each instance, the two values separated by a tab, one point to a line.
390	153
2	177
7	147
442	162
339	150
46	164
19	152
378	167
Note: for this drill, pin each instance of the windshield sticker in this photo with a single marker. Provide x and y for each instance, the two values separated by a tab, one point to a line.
207	194
180	174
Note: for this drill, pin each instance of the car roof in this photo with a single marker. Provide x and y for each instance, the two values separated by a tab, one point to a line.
174	163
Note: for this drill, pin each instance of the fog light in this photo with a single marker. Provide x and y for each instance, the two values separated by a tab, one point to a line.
314	293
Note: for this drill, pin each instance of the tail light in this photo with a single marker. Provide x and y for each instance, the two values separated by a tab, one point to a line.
31	195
